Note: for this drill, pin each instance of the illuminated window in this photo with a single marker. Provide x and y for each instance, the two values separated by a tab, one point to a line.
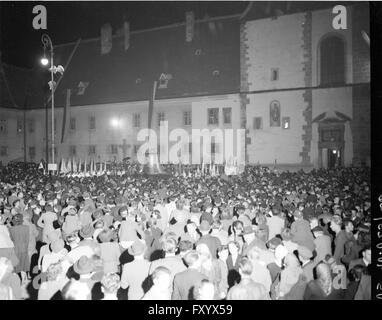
286	122
187	118
137	120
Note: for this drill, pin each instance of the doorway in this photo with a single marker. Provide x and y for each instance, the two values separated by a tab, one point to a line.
334	158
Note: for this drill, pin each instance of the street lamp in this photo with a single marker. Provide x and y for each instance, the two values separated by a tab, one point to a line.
47	43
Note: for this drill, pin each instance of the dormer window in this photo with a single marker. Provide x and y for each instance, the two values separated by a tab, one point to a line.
138	81
163	80
82	87
216	73
198	52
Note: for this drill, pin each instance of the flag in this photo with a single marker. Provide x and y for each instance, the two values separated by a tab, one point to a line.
79	166
41	166
63	166
105	168
66	114
85	165
151	105
126	32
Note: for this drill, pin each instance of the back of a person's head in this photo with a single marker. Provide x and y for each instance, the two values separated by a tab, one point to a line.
191	258
355	274
253	253
205	290
185	245
159	271
169	245
110	283
245	266
54	270
76	290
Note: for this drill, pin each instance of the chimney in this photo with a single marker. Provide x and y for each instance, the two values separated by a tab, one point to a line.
106	38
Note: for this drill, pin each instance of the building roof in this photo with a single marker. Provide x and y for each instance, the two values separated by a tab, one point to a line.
210	64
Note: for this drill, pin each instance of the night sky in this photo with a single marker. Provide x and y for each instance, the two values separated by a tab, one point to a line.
67	21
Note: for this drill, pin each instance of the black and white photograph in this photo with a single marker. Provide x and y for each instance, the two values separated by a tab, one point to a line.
188	150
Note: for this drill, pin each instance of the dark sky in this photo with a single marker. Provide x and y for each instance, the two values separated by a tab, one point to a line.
67	21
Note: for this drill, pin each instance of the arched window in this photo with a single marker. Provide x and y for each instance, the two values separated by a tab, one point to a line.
332	61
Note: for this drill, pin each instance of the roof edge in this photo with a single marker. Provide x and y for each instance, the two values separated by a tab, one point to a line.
174	25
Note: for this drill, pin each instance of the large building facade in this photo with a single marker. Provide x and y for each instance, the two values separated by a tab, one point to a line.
298	87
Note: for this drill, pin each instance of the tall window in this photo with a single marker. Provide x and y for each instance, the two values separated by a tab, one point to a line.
161	117
114	149
92	150
213	116
187	118
257	123
73	151
92	122
332	61
32	152
31	125
3	126
19	125
227	115
137	120
72	123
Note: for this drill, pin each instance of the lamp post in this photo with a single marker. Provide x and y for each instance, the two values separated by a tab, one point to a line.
47	43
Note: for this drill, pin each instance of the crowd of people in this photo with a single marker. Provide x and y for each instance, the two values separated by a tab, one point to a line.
260	235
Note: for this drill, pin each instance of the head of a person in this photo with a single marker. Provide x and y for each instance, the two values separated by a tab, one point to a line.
184	246
192	259
245	267
203	251
204	291
336	223
169	245
162	278
348	225
355	274
54	271
191	227
76	290
366	254
238	227
110	283
324	277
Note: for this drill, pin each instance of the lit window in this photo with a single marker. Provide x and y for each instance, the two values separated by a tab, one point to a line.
286	123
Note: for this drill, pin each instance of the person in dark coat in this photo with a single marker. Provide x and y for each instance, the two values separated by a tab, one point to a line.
184	282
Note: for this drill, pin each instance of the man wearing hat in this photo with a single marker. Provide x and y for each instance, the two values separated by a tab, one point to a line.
86	268
134	273
301	231
58	252
275	223
250	240
129	229
213	243
305	255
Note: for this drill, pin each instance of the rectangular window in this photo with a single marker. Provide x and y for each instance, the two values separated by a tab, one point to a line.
32	152
3	126
31	125
19	126
286	122
3	151
214	147
114	149
187	118
72	123
274	74
92	150
257	123
213	116
92	122
137	120
161	117
227	112
73	150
